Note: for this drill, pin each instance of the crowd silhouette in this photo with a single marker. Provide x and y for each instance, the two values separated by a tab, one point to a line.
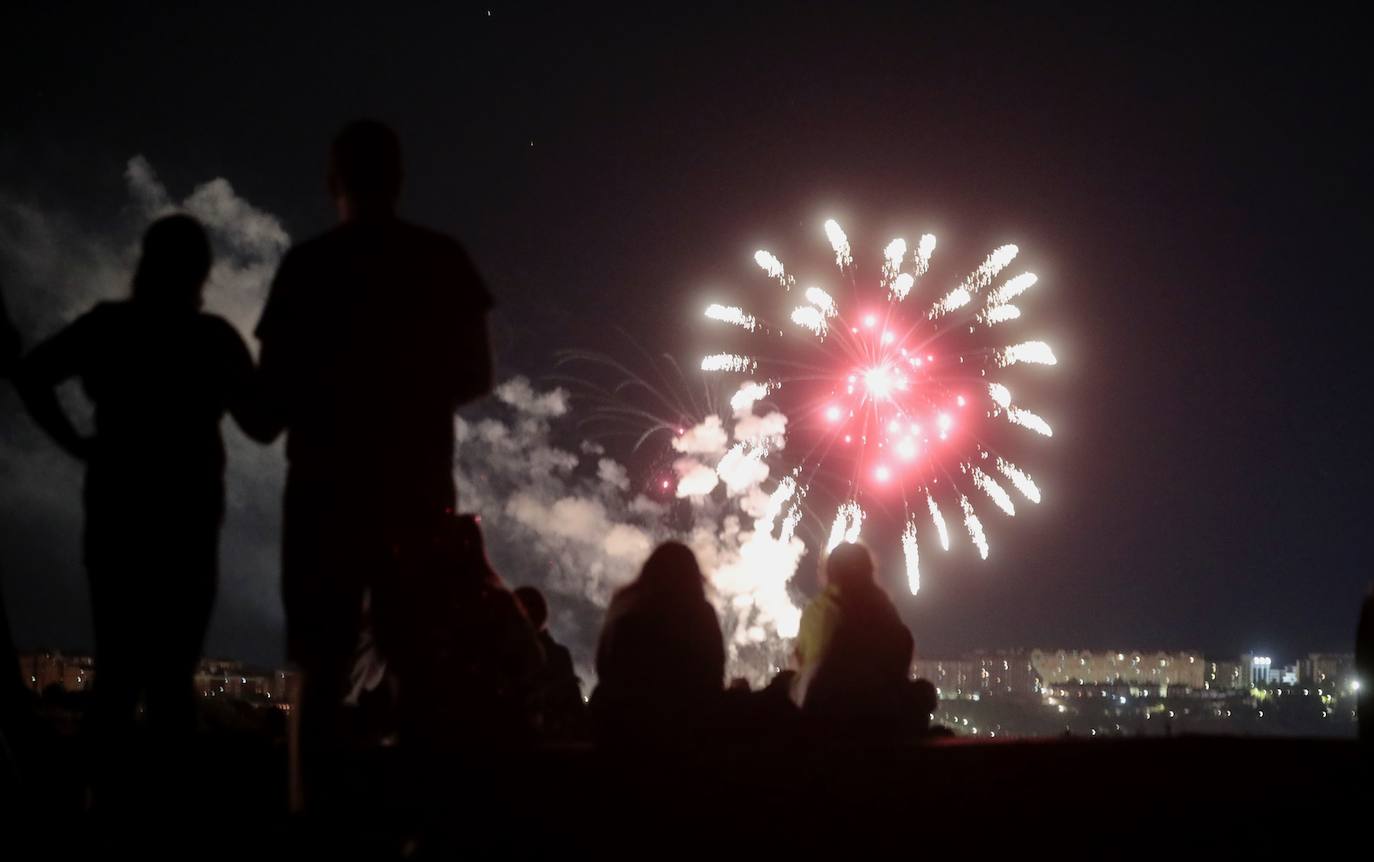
373	334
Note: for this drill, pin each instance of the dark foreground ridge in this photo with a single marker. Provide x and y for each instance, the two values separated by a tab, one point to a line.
725	799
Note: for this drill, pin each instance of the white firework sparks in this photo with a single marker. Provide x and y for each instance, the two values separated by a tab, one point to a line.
901	286
1013	288
974	527
787	487
789	524
911	554
849	519
728	362
732	314
1019	480
1037	352
748	394
1001	395
976	281
822	300
999	314
988	485
839	242
996	262
893	255
924	250
810	317
939	520
773	267
1027	419
952	301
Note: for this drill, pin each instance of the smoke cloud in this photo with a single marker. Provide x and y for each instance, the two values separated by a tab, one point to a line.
567	518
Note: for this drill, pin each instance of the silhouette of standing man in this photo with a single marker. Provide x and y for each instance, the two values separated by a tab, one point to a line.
374	333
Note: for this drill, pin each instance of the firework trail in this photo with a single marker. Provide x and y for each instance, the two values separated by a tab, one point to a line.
732	314
892	406
728	362
912	557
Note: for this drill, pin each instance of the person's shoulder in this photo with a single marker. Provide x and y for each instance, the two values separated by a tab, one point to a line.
105	313
428	236
438	247
321	245
216	327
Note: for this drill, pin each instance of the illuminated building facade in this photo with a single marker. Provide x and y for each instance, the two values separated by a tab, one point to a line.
1134	667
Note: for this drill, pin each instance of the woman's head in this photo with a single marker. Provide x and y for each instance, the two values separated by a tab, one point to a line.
174	264
850	566
671	570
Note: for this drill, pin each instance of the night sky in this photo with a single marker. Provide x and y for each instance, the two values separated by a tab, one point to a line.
1190	186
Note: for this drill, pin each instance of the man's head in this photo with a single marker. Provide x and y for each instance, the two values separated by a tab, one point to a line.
850	566
365	169
536	609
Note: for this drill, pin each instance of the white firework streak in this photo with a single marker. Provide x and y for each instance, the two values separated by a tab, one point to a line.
999	314
811	318
750	392
781	494
773	267
913	560
988	485
856	520
976	281
849	519
893	256
939	521
1027	419
901	286
789	524
732	314
1019	480
1000	395
839	242
822	300
739	467
1037	352
996	262
955	299
1013	288
728	362
924	250
974	526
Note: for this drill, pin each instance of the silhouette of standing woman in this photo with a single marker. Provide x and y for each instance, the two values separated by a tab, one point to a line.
160	374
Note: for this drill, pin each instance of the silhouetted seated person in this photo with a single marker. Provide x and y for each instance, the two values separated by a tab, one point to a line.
764	717
161	375
660	662
372	689
468	662
374	333
1364	671
562	711
923	700
854	654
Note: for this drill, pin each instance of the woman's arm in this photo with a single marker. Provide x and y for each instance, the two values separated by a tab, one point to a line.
50	363
248	402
